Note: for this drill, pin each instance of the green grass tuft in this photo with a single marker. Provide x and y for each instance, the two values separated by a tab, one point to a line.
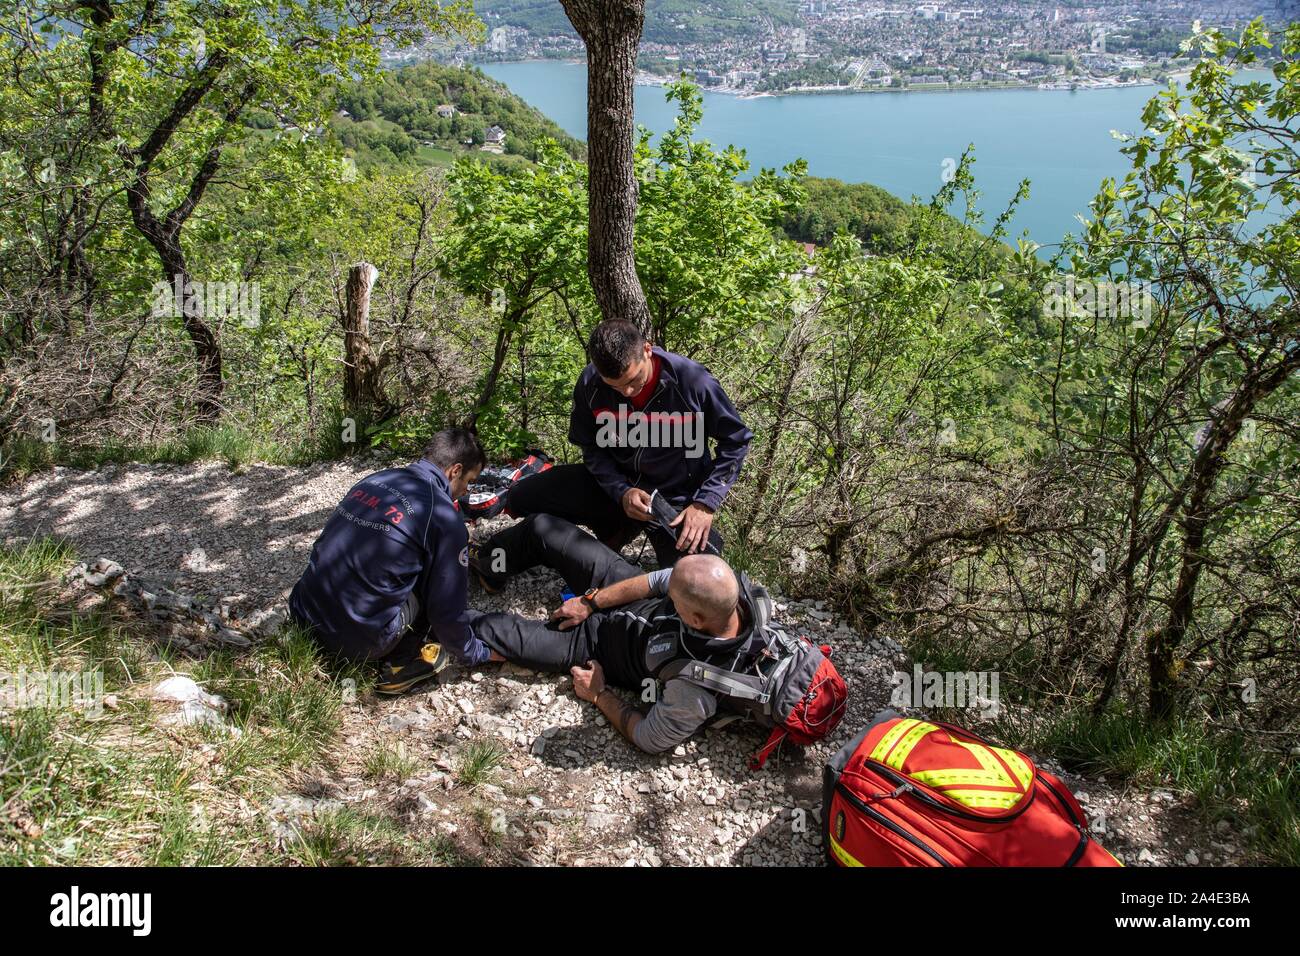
479	762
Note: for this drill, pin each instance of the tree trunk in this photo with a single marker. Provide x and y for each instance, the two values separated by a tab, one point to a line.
207	350
1162	664
164	233
362	393
611	30
505	335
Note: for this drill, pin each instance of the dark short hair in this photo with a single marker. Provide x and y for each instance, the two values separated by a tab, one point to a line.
613	346
453	446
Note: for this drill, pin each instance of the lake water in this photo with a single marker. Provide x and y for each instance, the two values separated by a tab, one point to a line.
1060	140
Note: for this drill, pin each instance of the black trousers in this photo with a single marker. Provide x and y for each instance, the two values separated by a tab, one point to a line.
584	563
413	632
570	492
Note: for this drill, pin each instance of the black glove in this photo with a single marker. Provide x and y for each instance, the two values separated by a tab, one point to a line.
665	514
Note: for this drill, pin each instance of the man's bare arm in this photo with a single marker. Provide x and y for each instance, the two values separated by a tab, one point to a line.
624	592
575	610
680	711
621	715
589	685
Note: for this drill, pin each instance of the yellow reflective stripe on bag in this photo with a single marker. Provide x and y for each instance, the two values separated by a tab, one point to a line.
912	734
968	783
989	799
993	773
960	777
844	856
881	749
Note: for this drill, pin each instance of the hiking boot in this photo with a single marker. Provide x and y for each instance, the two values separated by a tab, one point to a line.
399	678
480	566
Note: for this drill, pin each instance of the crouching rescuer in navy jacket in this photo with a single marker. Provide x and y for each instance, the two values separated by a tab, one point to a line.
644	419
387	580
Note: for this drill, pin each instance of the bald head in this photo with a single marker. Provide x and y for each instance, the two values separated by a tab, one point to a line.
704	591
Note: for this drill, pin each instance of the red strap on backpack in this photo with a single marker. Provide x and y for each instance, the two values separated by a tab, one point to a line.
774	740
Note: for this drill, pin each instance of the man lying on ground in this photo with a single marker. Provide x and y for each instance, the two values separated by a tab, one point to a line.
643	418
626	628
387	580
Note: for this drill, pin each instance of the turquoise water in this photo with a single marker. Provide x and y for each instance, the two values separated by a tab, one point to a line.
1060	140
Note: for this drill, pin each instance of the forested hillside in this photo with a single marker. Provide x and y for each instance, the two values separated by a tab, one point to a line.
666	21
395	118
878	219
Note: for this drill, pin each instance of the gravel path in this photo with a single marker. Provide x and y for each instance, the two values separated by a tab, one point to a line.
569	790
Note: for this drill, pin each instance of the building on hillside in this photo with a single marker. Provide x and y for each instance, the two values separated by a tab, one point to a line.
446	110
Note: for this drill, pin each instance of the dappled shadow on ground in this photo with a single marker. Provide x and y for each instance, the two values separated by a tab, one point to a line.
202	529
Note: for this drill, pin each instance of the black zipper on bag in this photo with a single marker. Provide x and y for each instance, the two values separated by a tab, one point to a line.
1065	804
888	824
963	732
1079	825
889	774
1078	850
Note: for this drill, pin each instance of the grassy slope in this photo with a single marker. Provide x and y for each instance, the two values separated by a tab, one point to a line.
116	788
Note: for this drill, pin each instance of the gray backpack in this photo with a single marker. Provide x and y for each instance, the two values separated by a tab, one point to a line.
789	685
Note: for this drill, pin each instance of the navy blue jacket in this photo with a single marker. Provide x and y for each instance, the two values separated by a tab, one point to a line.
396	533
684	387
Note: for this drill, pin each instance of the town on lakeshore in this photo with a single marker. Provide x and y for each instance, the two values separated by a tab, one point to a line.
768	47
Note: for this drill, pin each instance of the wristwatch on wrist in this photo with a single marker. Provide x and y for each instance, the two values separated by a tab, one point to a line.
589	598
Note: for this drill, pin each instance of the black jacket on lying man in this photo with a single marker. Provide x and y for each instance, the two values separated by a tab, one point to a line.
627	627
